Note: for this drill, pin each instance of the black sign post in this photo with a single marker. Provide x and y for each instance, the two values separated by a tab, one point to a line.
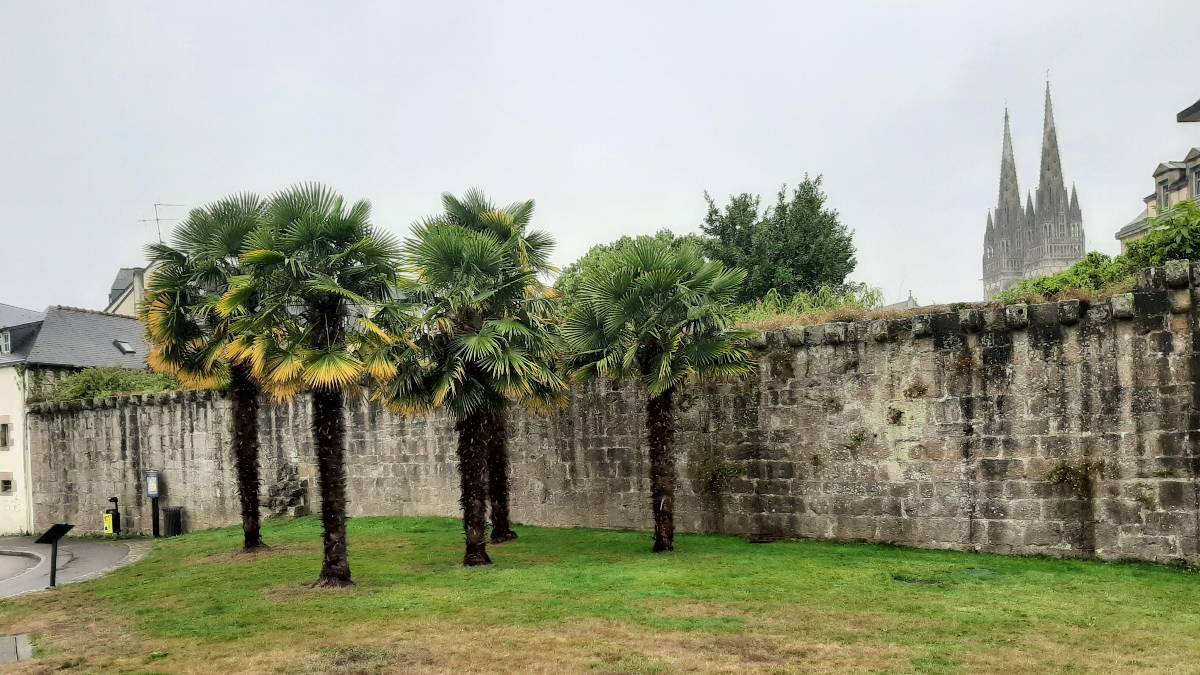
152	493
51	536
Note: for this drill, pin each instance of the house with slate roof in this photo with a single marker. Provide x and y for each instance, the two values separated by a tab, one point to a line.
37	349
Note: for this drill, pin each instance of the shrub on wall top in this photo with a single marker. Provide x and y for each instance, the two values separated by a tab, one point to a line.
104	382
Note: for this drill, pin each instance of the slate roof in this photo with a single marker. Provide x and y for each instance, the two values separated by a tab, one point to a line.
1136	225
83	338
17	316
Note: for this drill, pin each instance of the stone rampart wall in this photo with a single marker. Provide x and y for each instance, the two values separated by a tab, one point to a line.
1063	429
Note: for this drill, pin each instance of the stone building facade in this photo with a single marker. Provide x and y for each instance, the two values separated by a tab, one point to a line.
1060	429
1046	234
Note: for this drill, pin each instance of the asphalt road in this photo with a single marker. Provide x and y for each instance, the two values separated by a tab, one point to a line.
78	560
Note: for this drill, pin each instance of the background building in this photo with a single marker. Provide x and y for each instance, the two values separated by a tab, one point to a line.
36	350
1174	182
1046	234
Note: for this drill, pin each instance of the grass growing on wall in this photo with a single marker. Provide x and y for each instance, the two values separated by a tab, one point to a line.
575	600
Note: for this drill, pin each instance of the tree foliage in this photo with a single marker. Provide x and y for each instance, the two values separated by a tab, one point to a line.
797	244
661	314
474	334
569	281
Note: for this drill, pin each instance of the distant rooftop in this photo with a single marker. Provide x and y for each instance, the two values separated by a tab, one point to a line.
123	281
11	315
1190	113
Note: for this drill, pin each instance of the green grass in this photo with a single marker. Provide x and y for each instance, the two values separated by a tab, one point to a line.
575	599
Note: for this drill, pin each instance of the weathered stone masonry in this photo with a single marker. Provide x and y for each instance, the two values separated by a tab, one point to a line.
1059	428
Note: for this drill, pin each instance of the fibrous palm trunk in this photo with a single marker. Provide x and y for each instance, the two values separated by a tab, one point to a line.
660	428
473	431
497	472
244	397
329	433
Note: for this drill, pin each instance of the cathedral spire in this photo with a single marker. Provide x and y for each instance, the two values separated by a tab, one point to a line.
1051	194
1008	206
1076	214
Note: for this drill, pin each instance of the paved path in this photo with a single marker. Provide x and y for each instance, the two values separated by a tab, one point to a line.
78	560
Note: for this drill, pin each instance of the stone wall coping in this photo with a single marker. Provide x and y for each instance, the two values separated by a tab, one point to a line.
125	400
1175	278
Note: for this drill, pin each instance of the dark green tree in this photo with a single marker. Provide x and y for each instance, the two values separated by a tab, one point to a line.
797	244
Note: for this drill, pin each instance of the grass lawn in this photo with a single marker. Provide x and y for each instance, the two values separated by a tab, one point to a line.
593	600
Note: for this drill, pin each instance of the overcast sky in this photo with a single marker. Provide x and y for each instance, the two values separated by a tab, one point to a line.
615	117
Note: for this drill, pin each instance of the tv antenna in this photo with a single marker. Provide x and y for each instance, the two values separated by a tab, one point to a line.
158	221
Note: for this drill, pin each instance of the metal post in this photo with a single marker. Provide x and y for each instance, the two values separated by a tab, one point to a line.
154	515
53	562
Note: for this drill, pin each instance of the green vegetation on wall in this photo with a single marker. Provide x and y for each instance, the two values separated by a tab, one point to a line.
1174	235
104	382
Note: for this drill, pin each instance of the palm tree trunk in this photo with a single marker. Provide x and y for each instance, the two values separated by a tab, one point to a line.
497	471
472	466
660	428
244	396
329	432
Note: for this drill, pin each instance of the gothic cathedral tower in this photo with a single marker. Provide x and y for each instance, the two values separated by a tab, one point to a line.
1044	237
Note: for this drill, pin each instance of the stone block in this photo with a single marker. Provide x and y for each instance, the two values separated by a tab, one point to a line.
834	333
971	320
1177	273
1181	300
757	341
1122	305
795	336
1151	279
879	330
1068	312
922	326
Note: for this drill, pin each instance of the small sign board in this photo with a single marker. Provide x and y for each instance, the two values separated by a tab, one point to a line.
152	484
56	532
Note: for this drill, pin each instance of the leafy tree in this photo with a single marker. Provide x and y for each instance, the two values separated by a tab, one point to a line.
798	244
1174	235
317	272
191	339
105	382
662	315
474	336
569	280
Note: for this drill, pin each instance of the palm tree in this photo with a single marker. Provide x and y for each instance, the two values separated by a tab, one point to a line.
662	315
319	271
191	339
479	341
529	258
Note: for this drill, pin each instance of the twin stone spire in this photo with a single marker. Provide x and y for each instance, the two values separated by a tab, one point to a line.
1046	234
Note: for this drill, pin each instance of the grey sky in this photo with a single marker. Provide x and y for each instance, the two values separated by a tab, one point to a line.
615	117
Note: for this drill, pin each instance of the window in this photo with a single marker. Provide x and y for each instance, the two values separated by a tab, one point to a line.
5	342
1196	183
5	435
1164	200
6	484
123	347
